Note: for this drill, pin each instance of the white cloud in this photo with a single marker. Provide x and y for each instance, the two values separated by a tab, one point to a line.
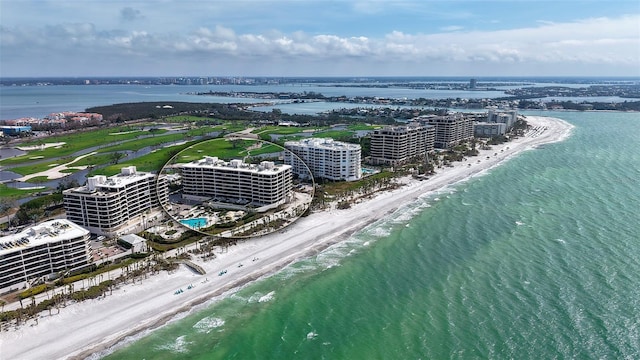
597	41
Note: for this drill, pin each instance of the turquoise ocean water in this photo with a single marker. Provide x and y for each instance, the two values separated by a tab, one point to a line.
537	259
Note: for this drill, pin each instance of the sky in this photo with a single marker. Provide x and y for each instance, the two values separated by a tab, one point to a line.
60	38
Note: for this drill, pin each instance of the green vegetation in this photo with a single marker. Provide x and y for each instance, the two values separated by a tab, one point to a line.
346	192
184	119
266	149
38	179
7	192
266	131
38	208
35	290
116	151
338	188
93	160
158	243
294	133
35	168
339	135
221	148
75	142
151	162
142	143
362	126
226	149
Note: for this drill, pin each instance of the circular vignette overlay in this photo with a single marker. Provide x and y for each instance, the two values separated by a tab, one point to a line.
233	187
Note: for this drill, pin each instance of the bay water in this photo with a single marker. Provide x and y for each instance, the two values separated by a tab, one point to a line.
539	258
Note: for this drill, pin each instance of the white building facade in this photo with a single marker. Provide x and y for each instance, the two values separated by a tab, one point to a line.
114	205
41	252
325	158
485	129
503	116
236	182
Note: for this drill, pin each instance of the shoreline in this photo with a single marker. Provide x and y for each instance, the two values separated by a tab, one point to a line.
94	326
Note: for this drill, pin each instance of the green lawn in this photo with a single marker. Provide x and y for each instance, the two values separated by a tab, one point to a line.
285	130
361	126
220	148
265	132
76	142
184	118
318	132
266	149
7	192
132	145
152	162
334	134
32	169
135	145
95	160
225	150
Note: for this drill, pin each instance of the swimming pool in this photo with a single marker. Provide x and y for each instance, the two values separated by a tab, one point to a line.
195	223
367	171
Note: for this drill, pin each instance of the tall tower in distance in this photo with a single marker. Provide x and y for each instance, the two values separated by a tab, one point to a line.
472	83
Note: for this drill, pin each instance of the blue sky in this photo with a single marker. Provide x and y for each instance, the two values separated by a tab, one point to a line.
319	38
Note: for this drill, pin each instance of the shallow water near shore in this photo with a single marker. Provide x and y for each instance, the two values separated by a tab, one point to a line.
537	259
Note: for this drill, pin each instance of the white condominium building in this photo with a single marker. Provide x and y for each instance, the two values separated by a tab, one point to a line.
393	145
326	158
507	117
115	205
450	129
41	252
236	182
485	129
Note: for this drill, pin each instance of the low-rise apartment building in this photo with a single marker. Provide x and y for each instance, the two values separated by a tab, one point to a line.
394	145
41	252
115	205
325	158
263	185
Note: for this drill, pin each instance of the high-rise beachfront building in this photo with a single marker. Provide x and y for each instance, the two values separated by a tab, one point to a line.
265	185
326	158
41	252
487	130
116	205
504	116
394	145
450	130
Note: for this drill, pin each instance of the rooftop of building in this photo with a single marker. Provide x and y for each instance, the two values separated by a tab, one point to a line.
212	162
323	143
403	128
128	175
46	232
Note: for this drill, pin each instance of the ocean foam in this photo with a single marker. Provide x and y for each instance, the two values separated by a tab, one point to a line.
267	297
380	232
178	346
207	324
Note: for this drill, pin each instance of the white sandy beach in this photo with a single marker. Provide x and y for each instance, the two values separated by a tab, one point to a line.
84	328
